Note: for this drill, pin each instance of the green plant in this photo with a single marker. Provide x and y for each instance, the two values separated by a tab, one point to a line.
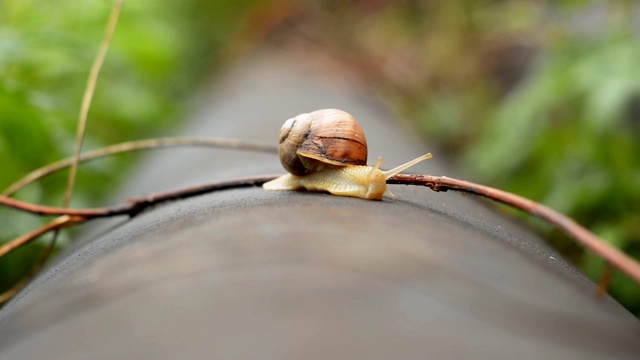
156	60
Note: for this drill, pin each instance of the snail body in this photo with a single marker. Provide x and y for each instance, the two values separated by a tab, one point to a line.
326	151
365	182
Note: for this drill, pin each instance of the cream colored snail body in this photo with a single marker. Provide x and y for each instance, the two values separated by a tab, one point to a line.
326	150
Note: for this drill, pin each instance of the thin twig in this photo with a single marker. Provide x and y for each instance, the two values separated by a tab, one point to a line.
574	230
62	221
9	293
88	95
73	216
437	183
82	123
605	280
135	206
140	145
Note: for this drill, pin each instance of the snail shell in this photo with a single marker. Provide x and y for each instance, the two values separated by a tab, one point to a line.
323	138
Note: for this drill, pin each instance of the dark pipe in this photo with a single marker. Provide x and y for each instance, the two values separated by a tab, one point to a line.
247	274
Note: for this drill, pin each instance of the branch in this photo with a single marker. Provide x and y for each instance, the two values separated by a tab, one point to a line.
437	183
574	230
88	95
60	222
82	124
139	145
135	206
9	293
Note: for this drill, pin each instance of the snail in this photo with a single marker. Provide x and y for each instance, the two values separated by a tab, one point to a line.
326	150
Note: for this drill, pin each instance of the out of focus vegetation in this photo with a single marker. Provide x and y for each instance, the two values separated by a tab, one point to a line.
538	98
159	52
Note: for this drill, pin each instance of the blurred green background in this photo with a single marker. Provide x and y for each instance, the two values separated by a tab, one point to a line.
540	98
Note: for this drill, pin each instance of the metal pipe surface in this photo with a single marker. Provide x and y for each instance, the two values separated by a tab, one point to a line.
246	273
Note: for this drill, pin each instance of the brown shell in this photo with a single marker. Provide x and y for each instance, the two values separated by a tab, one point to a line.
310	142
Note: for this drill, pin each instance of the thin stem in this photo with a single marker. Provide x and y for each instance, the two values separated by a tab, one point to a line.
605	280
437	183
134	206
73	216
574	230
9	293
139	145
62	221
82	122
88	95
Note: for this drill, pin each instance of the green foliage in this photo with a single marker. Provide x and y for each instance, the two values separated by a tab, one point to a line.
568	137
157	55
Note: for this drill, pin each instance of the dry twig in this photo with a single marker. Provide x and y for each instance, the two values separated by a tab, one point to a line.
135	206
60	222
88	95
139	145
437	183
82	121
574	230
